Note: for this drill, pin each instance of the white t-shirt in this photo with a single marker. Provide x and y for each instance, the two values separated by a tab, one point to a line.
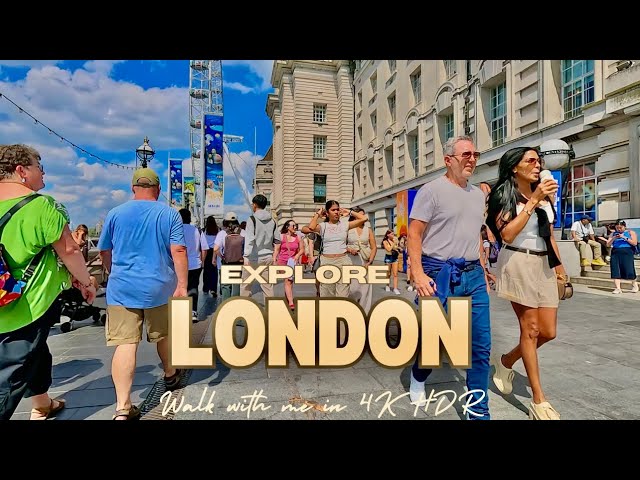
192	240
219	242
207	241
582	230
529	237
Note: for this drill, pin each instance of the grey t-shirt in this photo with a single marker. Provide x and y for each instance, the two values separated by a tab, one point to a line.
454	216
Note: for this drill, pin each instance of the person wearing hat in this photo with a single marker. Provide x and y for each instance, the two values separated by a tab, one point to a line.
143	248
582	233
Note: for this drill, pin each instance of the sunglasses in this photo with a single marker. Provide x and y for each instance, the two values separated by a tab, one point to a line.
467	155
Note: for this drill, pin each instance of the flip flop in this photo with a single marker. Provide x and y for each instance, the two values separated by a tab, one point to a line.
50	411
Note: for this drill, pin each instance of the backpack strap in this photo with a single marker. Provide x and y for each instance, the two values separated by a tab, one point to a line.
275	225
29	271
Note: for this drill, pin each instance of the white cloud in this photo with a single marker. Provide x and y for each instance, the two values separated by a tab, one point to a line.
239	87
261	68
90	108
101	66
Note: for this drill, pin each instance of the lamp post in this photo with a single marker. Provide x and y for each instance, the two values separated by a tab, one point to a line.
557	157
144	153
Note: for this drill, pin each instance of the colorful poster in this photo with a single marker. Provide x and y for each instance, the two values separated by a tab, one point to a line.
404	203
175	183
189	191
213	176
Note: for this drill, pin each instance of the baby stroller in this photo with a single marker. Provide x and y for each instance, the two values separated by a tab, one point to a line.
74	307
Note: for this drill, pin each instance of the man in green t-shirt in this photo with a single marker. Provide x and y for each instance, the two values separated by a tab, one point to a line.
40	225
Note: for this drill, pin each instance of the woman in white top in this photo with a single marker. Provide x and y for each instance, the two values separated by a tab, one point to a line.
521	216
192	240
210	267
361	245
334	242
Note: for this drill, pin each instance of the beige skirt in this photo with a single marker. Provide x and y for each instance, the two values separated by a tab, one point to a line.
526	279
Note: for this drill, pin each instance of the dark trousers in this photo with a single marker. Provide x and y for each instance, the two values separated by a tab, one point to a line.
193	285
210	274
25	361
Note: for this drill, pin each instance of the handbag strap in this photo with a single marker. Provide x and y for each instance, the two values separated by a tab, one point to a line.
31	268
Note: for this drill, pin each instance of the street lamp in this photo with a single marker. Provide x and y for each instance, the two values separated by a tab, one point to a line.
557	156
144	153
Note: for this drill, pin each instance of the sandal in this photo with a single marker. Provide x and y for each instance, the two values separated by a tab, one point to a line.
128	413
48	412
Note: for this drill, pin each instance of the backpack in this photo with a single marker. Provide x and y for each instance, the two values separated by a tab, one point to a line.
233	249
494	250
253	219
11	288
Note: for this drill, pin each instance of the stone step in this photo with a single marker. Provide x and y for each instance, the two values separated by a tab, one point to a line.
602	273
601	282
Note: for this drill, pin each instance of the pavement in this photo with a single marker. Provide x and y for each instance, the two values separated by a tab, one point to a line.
591	371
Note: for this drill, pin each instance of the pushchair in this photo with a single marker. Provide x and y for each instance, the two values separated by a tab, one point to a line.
73	306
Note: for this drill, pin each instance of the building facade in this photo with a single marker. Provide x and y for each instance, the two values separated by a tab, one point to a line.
311	111
406	110
263	179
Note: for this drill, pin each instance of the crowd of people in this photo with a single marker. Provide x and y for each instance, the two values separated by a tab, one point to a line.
153	252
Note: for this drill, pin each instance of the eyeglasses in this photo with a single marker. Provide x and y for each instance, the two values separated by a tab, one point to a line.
468	155
40	167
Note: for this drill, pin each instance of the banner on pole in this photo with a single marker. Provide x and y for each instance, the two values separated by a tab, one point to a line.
214	176
175	183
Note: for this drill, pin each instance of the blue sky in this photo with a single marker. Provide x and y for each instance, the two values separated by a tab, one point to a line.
108	107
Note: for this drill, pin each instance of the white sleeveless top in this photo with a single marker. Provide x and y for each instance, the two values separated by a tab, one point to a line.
360	243
334	236
529	236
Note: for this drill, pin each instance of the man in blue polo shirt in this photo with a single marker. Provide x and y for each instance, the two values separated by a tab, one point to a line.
142	246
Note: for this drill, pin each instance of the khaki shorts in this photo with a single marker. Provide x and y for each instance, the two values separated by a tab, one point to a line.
124	325
526	279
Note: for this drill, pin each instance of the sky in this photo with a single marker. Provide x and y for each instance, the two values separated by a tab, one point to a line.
108	107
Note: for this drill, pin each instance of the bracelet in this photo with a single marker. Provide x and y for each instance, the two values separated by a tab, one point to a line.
527	212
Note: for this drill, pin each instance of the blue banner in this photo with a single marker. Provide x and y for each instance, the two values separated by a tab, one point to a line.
557	176
213	174
175	183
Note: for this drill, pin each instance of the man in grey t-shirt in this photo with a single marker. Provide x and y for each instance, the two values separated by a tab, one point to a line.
444	247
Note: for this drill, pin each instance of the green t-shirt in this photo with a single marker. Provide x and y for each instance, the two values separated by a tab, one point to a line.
36	225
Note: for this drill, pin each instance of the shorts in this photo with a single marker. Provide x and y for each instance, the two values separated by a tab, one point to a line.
124	325
526	279
389	259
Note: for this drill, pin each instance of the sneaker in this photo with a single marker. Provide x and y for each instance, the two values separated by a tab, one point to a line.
396	291
542	411
585	262
387	288
194	317
409	288
598	261
607	259
503	376
616	291
635	289
416	392
172	382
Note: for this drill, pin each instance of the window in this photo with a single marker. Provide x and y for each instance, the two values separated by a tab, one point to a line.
319	147
360	134
392	106
319	189
360	98
498	115
468	68
448	127
319	113
416	86
388	158
414	152
391	218
374	122
581	193
374	83
578	88
449	68
392	65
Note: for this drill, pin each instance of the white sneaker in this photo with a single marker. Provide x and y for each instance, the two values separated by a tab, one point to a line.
635	289
416	392
503	376
409	288
616	291
396	291
387	288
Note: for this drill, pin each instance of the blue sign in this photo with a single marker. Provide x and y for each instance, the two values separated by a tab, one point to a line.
213	172
175	185
557	176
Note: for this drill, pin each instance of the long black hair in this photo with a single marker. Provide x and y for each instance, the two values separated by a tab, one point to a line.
505	195
211	226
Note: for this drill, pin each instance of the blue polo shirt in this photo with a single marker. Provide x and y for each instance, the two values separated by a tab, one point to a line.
140	234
